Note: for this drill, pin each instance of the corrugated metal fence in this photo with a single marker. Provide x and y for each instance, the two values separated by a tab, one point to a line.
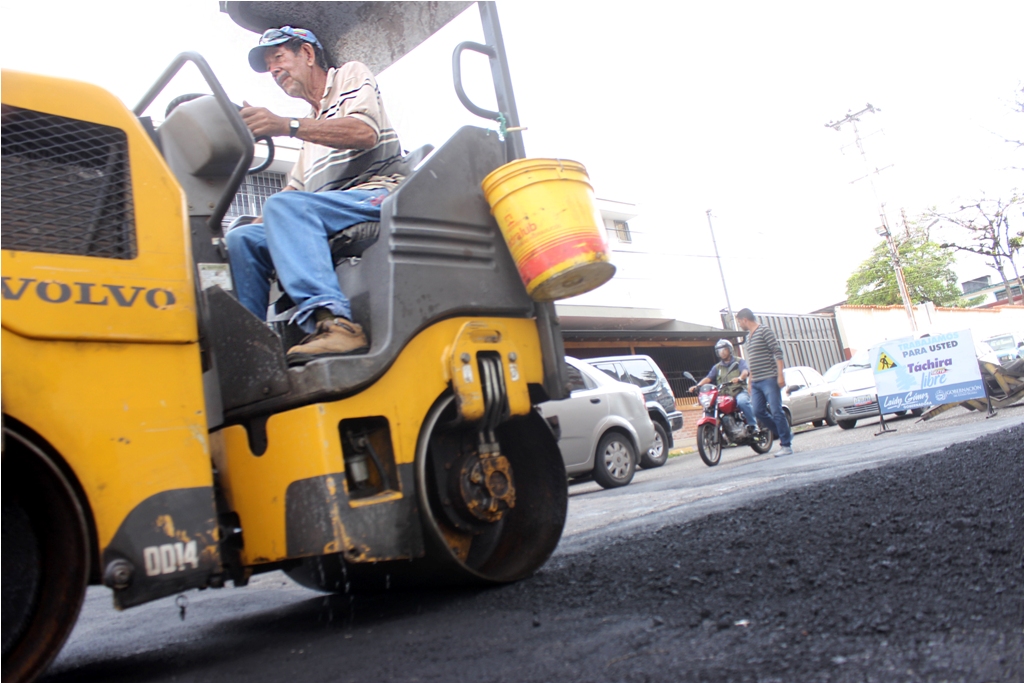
810	339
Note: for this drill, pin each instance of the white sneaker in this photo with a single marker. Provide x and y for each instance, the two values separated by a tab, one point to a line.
783	450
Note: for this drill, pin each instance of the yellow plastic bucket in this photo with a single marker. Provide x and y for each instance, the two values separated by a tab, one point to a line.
547	213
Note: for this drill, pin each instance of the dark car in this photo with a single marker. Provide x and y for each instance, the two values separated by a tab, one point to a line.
643	372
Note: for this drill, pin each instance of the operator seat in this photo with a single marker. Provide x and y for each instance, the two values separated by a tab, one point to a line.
349	243
438	254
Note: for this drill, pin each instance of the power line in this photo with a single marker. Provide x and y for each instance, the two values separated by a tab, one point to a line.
883	230
732	319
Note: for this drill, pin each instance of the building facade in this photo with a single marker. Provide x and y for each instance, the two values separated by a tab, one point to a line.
993	294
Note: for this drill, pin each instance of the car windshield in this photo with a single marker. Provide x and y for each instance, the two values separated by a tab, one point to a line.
859	361
1000	343
833	372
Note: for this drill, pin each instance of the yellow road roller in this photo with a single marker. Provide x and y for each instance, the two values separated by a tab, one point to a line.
155	440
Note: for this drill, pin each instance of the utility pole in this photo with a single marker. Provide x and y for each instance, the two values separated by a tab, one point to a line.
732	318
883	229
894	257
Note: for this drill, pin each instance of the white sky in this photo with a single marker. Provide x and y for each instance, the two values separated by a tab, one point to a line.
676	107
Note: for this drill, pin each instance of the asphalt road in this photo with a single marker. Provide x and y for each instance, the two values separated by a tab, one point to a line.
686	489
605	607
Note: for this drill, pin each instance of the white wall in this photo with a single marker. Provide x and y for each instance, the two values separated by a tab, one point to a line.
638	265
861	327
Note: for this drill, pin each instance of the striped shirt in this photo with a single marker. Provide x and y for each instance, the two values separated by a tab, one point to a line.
762	349
351	92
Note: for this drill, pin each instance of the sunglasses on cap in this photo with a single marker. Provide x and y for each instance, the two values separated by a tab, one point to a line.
276	36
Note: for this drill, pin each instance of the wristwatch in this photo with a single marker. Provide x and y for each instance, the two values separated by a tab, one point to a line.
293	128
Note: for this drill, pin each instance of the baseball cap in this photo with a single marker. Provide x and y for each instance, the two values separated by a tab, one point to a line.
276	36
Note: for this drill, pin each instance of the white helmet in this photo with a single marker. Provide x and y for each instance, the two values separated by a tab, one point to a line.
723	344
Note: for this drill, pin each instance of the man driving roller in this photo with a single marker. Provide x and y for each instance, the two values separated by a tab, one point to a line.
339	180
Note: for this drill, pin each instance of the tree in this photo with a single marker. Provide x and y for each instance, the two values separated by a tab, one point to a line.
927	268
989	233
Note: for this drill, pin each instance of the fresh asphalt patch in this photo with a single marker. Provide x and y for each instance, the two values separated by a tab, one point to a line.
909	571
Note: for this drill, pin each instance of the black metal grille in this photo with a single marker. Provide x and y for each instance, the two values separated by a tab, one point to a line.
253	194
66	186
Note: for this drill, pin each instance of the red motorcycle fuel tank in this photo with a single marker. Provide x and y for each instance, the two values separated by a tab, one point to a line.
726	404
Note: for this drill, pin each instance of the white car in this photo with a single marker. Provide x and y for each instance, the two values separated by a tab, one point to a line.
1005	347
854	395
603	425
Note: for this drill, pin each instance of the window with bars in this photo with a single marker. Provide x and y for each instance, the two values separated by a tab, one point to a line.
253	193
620	231
1001	293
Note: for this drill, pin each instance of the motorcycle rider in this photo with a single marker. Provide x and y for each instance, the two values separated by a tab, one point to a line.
731	373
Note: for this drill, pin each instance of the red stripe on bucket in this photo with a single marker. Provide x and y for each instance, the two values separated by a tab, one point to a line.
540	261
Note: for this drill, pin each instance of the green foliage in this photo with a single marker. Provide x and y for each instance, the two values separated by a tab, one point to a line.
927	268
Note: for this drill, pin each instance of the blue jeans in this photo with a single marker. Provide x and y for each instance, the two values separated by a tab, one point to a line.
743	401
767	394
293	240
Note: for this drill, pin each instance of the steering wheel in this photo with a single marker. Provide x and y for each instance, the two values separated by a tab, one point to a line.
181	99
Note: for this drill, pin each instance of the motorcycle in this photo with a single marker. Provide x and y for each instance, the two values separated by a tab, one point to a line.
722	425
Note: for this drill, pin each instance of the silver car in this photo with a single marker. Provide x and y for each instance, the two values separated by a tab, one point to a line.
806	397
854	396
603	425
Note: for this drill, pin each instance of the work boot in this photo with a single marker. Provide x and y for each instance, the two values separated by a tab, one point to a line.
333	337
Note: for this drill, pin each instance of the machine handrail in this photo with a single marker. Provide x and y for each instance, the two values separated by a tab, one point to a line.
230	110
457	76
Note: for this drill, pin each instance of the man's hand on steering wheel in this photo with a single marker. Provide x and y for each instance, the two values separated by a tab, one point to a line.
263	122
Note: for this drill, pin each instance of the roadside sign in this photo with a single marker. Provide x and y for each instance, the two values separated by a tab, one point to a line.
920	373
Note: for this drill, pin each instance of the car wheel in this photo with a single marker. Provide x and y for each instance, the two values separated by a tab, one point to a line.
917	412
817	423
847	424
657	455
830	416
899	413
615	462
789	417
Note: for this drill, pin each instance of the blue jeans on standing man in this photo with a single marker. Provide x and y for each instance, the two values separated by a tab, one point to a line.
768	394
293	240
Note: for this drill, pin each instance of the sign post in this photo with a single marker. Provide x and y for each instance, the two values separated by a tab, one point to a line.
920	373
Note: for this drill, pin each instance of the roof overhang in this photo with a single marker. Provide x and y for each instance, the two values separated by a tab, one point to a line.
375	33
609	317
634	325
657	335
